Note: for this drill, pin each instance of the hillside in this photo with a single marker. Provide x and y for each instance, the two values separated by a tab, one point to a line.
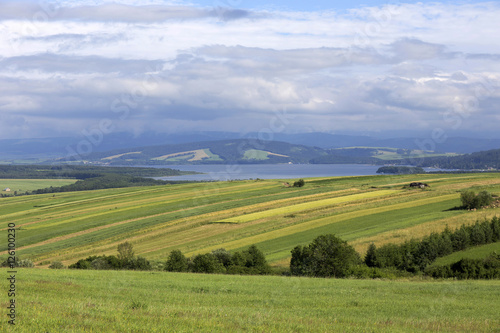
201	217
35	149
210	152
246	151
482	160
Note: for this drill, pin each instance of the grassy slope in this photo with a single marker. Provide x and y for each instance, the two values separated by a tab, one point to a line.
23	185
120	301
478	252
69	226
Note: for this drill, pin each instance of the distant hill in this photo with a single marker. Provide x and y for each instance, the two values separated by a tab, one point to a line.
44	148
210	152
248	151
482	160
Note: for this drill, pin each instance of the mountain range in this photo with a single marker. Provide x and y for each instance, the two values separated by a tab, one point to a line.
40	148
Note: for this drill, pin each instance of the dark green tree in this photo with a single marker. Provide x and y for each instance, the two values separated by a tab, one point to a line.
299	183
326	256
206	263
176	262
468	199
371	256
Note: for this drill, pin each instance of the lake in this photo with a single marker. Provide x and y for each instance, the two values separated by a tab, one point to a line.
270	171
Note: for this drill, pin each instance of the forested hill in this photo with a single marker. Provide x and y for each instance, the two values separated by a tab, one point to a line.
253	151
482	160
211	152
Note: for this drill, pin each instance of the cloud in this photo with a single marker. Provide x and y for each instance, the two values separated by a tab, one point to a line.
113	12
173	67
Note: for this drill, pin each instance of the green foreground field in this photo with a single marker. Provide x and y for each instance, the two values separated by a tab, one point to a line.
124	301
200	217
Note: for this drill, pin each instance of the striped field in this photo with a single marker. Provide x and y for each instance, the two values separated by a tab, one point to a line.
200	217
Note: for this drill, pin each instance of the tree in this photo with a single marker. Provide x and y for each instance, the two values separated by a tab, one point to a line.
468	199
483	199
371	256
255	259
206	263
472	201
299	183
125	251
223	256
176	262
326	256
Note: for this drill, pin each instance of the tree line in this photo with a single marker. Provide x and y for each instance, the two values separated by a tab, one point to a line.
330	256
248	262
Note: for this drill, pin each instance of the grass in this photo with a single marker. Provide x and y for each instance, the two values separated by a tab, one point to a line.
290	209
255	154
120	301
478	252
198	217
23	185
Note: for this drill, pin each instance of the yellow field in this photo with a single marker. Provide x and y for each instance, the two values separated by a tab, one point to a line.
200	217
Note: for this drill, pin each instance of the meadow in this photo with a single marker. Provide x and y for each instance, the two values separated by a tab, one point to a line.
200	217
127	301
23	185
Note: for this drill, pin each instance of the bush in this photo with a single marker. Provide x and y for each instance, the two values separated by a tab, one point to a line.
176	262
472	201
326	256
299	183
206	263
56	265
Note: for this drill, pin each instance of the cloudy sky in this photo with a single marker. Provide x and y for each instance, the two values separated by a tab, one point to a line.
350	67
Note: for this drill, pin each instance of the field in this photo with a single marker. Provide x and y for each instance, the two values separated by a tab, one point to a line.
23	185
479	252
121	301
200	217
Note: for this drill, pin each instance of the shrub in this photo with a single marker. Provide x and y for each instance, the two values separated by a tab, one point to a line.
206	263
176	262
56	265
326	256
299	183
472	201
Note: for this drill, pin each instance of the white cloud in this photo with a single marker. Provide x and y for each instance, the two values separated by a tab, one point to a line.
178	67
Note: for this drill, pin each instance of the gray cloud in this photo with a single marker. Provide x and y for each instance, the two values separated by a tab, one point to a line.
114	12
54	63
174	68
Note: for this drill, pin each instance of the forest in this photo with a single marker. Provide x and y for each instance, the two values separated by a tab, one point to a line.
89	177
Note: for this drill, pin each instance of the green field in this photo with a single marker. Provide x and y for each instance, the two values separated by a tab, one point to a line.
23	185
199	217
479	252
124	301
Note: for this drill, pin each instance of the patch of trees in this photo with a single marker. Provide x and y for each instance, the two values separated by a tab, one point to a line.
78	171
125	260
326	256
248	262
416	255
329	256
299	183
487	268
102	182
89	177
400	170
479	160
471	200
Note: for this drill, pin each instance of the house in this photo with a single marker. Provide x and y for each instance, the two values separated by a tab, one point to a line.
6	189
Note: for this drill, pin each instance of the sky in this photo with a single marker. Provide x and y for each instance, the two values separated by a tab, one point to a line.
73	68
